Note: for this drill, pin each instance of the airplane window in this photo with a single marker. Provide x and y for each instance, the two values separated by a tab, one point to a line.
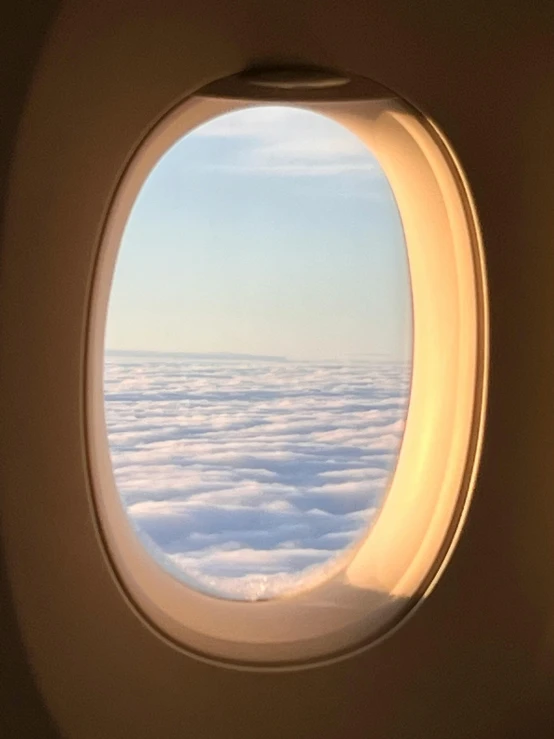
258	352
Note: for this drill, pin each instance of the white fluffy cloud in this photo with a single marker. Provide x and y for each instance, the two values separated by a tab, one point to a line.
251	477
290	142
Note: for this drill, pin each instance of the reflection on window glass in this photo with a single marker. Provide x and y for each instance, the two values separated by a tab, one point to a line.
257	368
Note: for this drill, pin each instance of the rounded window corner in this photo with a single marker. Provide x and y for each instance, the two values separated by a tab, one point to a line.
383	577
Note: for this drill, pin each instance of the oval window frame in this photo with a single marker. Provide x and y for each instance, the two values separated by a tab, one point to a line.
401	557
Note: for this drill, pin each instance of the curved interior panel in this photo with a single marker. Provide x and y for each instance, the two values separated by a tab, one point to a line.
86	652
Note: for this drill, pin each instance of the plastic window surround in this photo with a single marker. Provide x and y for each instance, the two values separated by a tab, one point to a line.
405	551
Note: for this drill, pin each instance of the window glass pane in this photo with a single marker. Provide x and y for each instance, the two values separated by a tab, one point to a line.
258	352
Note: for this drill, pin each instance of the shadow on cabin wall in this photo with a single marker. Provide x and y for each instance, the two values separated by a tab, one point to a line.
23	29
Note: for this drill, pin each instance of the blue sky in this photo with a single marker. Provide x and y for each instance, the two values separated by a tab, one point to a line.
271	230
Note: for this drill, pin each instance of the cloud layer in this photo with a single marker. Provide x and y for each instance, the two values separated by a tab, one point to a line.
250	477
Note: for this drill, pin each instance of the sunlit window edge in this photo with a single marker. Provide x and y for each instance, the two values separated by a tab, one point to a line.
400	557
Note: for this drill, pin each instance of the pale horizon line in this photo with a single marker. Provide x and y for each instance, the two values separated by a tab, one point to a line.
224	355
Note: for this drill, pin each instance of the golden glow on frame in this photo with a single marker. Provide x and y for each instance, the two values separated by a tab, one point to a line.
421	515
